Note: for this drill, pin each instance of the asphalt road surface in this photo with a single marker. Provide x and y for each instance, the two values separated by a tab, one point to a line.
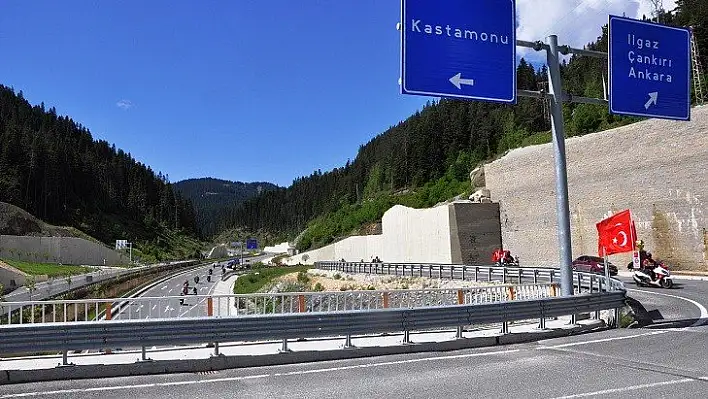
618	363
168	305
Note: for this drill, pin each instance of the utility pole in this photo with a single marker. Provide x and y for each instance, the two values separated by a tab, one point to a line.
697	70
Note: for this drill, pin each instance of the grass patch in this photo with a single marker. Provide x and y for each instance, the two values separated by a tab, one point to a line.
252	282
50	269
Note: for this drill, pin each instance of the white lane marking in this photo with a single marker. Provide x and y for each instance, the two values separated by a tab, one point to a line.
153	307
164	288
123	387
627	389
703	319
260	376
603	340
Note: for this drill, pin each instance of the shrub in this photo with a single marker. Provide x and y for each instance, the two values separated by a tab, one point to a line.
337	276
302	277
318	287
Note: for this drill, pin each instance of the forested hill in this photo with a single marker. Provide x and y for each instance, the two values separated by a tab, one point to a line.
211	197
51	167
436	148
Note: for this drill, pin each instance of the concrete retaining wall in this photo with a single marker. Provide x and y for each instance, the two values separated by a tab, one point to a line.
66	250
454	233
655	168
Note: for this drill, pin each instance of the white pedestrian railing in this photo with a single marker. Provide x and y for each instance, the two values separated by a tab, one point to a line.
263	303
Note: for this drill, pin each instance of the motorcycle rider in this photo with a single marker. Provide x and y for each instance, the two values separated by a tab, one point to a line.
649	265
646	262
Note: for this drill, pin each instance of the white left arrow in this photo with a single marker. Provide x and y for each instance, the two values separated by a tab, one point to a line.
653	98
458	81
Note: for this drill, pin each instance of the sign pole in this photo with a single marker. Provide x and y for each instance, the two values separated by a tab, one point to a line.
558	132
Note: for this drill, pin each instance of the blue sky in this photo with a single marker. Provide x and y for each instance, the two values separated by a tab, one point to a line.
245	90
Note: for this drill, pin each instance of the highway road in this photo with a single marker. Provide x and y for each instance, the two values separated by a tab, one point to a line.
171	307
667	359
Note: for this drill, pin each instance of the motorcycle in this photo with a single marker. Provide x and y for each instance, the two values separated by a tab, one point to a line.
662	276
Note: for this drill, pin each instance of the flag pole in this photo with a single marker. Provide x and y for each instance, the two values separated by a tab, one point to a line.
607	269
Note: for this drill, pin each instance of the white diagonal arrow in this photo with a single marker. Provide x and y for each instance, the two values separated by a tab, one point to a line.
653	97
458	81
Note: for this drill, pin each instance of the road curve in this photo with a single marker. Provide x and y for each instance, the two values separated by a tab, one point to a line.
684	305
666	359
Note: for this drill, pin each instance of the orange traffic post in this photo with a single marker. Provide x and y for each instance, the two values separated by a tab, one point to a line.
510	294
385	300
210	307
460	297
301	303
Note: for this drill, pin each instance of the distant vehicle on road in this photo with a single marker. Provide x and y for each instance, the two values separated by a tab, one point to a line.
593	264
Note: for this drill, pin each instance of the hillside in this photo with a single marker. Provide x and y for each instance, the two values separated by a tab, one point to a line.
17	222
211	197
52	167
429	155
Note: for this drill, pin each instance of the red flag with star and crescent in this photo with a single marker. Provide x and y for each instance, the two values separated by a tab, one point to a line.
617	234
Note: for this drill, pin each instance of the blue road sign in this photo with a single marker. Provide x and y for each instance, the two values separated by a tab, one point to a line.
251	243
459	48
650	67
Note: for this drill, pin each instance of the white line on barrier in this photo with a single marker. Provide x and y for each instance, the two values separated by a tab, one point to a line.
603	340
626	389
703	319
251	377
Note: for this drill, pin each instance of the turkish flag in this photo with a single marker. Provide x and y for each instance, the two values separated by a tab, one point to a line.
617	234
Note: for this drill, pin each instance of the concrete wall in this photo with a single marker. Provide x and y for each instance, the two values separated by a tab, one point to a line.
10	277
474	232
66	250
443	234
219	251
277	249
655	168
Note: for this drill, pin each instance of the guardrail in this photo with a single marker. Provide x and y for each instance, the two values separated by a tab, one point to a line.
305	315
133	333
59	286
581	281
64	311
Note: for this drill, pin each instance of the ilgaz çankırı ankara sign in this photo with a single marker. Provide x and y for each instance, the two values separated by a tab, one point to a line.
650	69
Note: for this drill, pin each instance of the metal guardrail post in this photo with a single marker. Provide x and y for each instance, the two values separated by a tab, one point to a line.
505	327
216	349
440	269
504	275
65	358
143	355
464	268
520	274
460	301
348	342
489	274
407	337
284	347
535	276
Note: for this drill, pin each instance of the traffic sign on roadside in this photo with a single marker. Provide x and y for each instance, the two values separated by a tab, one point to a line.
459	49
251	243
650	67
